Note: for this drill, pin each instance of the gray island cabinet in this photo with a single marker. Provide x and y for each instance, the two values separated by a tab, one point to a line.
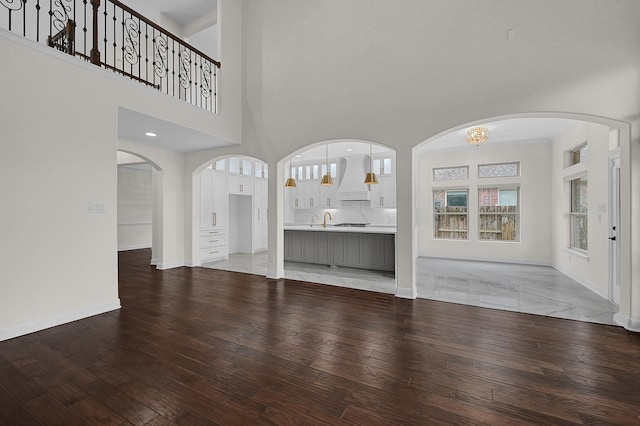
366	250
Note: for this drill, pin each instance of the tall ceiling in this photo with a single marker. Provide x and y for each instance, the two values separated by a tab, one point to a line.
183	12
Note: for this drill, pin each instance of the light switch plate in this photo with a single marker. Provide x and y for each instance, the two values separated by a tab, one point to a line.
96	207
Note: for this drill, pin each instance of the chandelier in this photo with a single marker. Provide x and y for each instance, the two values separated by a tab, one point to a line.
477	135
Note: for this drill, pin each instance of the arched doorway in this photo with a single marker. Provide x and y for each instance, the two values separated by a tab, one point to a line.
491	218
139	205
336	229
231	193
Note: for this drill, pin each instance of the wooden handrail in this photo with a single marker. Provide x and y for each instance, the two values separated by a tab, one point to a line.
159	28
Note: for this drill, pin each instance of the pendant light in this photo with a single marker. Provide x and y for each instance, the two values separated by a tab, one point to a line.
370	178
291	182
326	179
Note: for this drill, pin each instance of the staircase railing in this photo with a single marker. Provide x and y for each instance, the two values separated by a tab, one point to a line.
112	35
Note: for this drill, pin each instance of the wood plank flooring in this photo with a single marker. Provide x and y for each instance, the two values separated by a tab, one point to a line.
195	346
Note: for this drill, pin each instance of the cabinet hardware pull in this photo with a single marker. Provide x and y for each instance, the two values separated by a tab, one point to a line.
382	200
241	187
214	241
213	232
213	252
215	219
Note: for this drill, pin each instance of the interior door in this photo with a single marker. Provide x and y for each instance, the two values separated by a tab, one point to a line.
614	230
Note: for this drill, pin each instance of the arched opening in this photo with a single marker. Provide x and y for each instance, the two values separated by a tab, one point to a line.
139	205
343	233
231	201
525	221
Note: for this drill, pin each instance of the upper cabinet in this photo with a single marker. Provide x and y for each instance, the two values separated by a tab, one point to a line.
383	195
384	165
309	193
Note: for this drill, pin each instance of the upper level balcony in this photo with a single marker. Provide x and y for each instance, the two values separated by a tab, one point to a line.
111	35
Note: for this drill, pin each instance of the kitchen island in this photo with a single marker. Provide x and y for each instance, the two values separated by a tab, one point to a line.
366	247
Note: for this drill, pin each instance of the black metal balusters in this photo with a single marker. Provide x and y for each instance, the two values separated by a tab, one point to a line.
132	45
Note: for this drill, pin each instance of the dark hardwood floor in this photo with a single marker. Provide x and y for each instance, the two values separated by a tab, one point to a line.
196	346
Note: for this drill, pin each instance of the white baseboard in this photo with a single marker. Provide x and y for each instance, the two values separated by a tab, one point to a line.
193	264
134	247
55	320
630	324
169	265
604	293
406	293
153	262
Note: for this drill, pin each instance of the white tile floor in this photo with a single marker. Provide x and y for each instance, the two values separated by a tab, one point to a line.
539	290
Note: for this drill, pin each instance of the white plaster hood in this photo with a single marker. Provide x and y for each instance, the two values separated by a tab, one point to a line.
352	186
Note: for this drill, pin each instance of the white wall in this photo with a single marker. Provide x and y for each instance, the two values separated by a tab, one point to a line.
52	171
591	270
58	260
135	206
534	182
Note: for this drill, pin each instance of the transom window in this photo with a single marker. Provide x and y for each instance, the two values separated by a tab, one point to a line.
451	173
499	170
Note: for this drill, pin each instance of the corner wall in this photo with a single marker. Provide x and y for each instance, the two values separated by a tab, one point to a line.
591	270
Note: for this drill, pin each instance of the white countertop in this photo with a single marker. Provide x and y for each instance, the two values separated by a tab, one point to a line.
369	229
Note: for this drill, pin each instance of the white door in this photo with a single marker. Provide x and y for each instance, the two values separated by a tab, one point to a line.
614	230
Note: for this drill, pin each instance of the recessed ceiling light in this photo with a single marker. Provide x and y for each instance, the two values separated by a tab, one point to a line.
298	156
151	134
349	149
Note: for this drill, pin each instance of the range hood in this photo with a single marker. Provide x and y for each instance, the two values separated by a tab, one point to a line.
352	187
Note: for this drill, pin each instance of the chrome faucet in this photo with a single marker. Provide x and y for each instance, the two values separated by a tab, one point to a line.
312	217
324	223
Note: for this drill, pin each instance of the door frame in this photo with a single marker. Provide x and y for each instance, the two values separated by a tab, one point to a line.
614	221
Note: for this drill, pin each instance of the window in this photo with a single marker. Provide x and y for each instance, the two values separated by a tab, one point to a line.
579	155
382	166
499	170
450	214
451	173
333	167
498	214
579	212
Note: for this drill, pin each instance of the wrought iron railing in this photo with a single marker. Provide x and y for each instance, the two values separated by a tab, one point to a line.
118	38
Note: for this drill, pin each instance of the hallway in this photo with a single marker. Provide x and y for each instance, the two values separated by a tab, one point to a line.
538	290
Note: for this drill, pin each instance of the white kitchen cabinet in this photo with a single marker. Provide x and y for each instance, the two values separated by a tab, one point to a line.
260	224
240	185
306	195
312	194
213	199
213	215
213	245
328	196
383	195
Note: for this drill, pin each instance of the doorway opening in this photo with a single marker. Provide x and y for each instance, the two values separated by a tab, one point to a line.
139	192
233	228
507	223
